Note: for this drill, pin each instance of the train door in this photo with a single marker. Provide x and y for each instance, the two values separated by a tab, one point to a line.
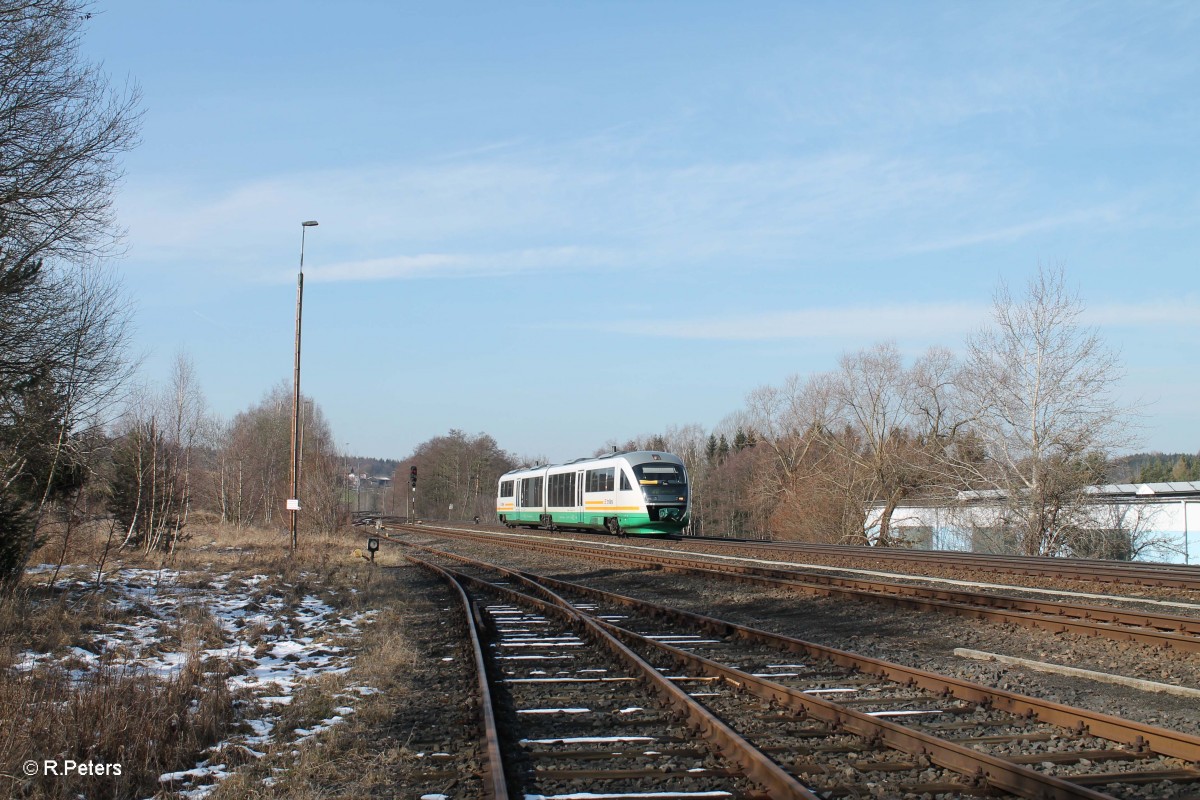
579	476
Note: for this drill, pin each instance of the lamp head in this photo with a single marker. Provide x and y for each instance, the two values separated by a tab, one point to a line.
312	223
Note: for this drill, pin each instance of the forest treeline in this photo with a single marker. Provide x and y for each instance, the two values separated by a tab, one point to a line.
1155	468
1025	416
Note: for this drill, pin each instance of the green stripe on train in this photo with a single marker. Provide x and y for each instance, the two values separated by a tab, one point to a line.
633	523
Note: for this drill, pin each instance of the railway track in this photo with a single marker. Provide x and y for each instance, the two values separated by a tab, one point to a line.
643	732
1112	573
1156	629
842	725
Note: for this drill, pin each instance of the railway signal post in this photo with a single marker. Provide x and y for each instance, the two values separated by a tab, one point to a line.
412	504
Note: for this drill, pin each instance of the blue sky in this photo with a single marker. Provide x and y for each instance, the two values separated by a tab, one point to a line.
561	223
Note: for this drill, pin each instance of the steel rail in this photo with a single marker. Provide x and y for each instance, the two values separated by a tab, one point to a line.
997	772
1180	576
1090	570
493	776
756	765
1160	631
1158	740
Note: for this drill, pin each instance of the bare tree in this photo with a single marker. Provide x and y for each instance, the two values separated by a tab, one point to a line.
73	344
248	472
184	408
456	470
785	419
62	127
894	426
873	436
218	475
61	328
1040	386
825	499
146	489
1124	530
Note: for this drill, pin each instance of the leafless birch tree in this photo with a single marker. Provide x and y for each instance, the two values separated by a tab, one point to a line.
1040	385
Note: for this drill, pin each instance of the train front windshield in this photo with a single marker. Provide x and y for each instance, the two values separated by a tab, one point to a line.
662	483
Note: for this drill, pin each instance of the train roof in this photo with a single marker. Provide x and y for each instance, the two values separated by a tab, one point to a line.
633	456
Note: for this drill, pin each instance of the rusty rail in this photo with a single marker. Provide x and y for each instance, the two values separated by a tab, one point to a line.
493	775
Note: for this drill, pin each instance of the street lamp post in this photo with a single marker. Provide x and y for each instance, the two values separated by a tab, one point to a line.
293	502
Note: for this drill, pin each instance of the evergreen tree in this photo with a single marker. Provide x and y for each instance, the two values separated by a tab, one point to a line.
1182	471
45	468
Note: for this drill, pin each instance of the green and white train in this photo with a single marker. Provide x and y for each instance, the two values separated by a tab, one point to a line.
643	492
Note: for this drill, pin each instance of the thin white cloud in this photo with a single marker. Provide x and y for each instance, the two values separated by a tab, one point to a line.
1106	214
504	209
921	321
460	265
929	320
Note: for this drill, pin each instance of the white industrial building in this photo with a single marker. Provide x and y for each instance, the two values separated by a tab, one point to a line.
1158	521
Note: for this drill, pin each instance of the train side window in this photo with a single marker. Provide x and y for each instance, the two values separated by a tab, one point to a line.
560	490
600	480
529	492
625	487
506	488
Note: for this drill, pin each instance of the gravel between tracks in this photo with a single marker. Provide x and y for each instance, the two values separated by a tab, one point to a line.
923	640
432	736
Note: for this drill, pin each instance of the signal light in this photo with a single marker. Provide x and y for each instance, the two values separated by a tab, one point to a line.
412	476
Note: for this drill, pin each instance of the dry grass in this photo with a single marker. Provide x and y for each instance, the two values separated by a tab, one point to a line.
152	725
147	724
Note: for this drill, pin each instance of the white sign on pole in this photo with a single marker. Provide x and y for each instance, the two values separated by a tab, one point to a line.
293	504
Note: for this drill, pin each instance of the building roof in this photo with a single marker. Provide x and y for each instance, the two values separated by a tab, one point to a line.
1147	489
1168	490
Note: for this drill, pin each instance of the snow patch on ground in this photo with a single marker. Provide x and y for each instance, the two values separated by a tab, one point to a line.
272	645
